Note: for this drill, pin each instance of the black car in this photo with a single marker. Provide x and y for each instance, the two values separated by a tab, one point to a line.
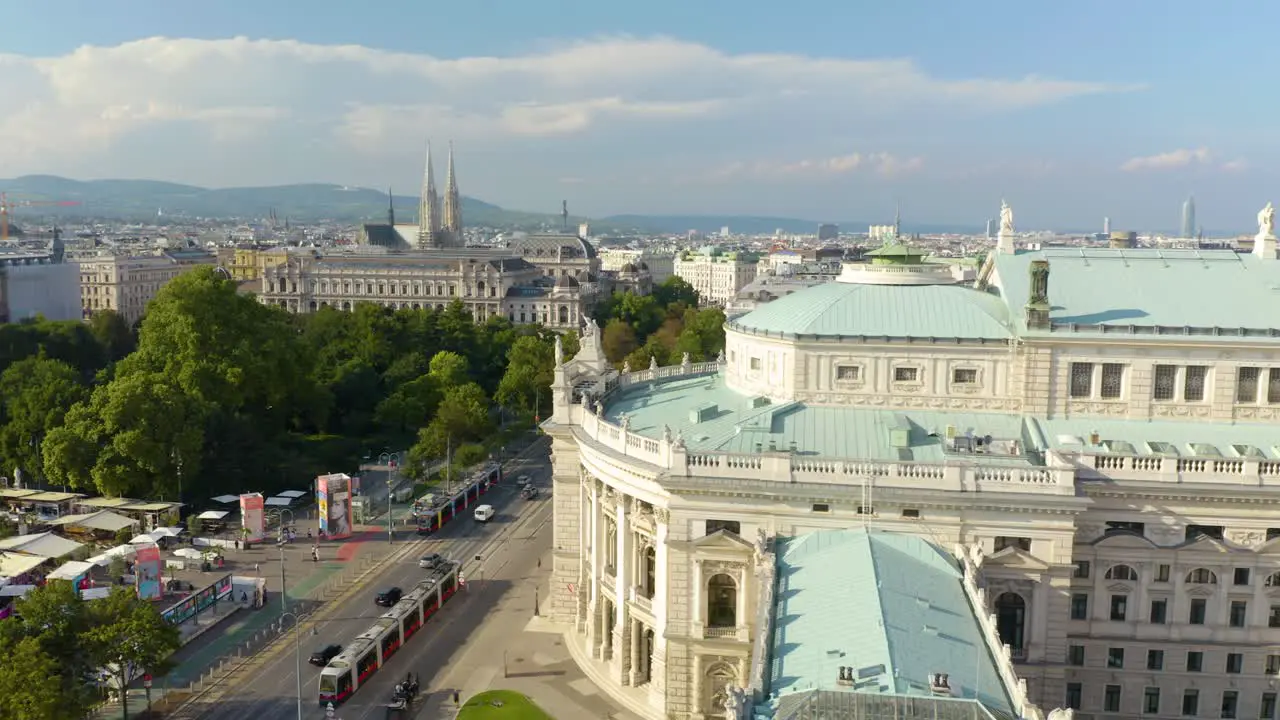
322	656
388	597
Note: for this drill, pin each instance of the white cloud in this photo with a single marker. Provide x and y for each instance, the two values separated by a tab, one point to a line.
1168	161
1235	166
881	163
249	97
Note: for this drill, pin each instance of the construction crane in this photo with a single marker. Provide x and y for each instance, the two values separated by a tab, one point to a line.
7	206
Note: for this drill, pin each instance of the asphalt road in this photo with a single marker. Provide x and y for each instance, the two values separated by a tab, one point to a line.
273	692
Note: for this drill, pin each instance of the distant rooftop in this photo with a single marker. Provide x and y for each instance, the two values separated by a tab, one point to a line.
890	606
1148	291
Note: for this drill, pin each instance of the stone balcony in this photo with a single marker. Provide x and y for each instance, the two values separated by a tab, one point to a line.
735	634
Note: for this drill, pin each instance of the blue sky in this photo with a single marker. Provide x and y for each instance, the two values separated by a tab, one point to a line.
824	110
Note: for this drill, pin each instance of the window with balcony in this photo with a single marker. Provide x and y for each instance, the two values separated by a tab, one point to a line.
1195	661
1238	614
1197	612
722	602
1151	701
1235	663
1155	659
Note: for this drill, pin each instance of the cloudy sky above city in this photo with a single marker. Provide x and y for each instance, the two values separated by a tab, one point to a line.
821	110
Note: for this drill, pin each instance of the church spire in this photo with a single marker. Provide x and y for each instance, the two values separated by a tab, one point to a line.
452	205
429	207
391	208
897	219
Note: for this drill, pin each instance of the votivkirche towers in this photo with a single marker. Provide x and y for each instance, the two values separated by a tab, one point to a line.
437	229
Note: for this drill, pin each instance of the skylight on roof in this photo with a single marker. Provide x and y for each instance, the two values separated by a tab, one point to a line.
1248	451
1204	450
1119	447
1159	447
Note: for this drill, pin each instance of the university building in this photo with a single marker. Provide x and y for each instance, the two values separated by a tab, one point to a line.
898	494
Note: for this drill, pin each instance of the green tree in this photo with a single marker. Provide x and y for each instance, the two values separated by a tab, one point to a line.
29	682
129	637
57	619
410	406
35	395
571	342
526	386
675	290
113	333
618	340
449	370
463	416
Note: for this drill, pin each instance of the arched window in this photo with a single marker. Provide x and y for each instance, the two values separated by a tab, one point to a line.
610	544
314	306
722	602
1011	620
648	581
1122	572
1202	576
346	305
564	315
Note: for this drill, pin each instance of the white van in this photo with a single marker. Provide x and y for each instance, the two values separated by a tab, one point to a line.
484	513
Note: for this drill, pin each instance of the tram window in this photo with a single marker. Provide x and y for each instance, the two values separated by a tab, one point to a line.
344	684
367	664
389	644
328	684
448	584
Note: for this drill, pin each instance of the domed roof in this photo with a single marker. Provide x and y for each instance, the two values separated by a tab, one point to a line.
628	268
836	310
567	281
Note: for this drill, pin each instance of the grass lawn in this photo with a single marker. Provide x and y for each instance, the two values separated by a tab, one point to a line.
513	706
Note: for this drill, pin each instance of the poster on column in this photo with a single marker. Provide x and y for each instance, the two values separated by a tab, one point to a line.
253	517
333	500
146	568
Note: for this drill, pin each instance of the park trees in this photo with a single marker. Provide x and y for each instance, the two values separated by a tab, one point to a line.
129	637
29	681
35	395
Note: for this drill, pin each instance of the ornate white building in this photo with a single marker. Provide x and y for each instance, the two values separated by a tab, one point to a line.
1094	431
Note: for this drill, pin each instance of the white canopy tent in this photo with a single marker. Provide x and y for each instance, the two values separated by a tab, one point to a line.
16	590
279	501
294	494
213	514
143	539
70	570
227	499
104	559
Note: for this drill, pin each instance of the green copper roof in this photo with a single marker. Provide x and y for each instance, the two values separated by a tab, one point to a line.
852	310
1114	291
889	605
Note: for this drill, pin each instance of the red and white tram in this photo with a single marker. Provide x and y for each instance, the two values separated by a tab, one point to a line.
371	649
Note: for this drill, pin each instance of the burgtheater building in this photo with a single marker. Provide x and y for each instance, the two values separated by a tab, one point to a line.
896	495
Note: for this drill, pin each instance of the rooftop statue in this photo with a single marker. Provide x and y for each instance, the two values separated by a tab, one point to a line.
1267	221
1006	218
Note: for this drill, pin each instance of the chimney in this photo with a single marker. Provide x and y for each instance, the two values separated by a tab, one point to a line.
1038	303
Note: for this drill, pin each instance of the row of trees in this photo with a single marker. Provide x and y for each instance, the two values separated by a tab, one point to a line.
219	393
57	645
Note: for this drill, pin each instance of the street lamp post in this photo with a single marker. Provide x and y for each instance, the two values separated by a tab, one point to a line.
297	649
392	461
280	543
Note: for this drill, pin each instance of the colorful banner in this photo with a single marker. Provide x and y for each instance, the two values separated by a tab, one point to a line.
333	498
146	568
198	601
253	517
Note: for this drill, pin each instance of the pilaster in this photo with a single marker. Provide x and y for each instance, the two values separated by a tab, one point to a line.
658	678
622	619
566	531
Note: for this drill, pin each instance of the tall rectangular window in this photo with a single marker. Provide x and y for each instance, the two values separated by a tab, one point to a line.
1193	384
1165	382
1075	655
1239	611
1195	661
1190	702
1155	659
1081	379
1235	663
1273	385
1267	708
1230	699
1115	658
1197	612
1112	380
1080	606
1111	699
1151	701
1159	609
1273	665
1247	384
1119	607
1074	693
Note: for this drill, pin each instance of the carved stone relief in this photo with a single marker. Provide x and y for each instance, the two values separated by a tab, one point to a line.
715	567
662	515
1246	538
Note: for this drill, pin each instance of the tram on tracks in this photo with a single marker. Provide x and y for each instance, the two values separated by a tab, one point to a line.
371	649
431	517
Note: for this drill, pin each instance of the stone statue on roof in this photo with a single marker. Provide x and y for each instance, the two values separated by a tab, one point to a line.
1006	218
559	357
1267	221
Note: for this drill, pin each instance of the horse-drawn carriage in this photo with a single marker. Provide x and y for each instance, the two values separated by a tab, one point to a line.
402	698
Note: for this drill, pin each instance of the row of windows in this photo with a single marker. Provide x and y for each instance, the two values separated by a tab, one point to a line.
1158	612
1240	577
1228	708
1233	665
383	289
1172	383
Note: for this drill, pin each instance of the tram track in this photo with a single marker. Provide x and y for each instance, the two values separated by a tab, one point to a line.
264	686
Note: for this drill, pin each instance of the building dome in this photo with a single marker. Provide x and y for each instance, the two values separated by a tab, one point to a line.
565	282
628	269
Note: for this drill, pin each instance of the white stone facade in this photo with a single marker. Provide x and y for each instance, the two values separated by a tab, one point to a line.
127	283
717	278
1124	585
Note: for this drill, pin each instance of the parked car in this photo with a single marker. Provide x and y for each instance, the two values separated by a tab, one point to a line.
485	513
322	656
388	597
431	561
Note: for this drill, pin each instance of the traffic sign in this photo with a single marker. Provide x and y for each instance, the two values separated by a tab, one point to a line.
462	579
328	710
146	681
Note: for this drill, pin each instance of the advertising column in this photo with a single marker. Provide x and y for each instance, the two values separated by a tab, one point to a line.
146	567
253	517
333	498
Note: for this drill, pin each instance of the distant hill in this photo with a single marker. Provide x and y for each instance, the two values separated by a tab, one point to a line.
142	199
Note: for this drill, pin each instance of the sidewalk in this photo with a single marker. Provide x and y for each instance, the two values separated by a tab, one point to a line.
241	630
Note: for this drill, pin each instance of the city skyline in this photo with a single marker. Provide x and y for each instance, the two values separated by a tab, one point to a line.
657	112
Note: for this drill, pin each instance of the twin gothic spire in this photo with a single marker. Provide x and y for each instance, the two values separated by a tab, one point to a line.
437	229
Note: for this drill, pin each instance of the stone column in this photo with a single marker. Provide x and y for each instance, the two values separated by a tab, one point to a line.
658	678
595	558
622	625
1038	620
637	641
